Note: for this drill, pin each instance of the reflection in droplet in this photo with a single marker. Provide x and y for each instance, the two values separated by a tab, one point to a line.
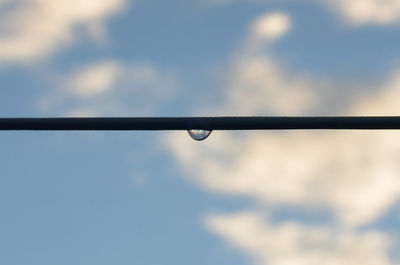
199	134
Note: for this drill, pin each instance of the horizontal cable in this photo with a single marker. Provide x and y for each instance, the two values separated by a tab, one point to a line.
207	123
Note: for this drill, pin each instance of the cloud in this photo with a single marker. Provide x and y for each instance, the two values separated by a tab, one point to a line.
95	79
272	26
367	12
33	29
292	243
361	12
110	87
257	82
353	174
354	12
382	101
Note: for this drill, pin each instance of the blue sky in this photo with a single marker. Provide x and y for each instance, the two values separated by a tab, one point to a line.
162	198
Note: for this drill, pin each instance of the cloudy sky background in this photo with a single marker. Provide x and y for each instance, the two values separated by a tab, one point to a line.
161	198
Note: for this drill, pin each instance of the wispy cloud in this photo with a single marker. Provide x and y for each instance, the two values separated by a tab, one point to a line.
354	12
293	243
93	80
258	83
110	87
353	174
271	26
32	29
365	12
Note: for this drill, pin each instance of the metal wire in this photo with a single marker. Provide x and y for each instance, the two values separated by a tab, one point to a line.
207	123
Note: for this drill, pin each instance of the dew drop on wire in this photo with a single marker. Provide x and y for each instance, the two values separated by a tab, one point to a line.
199	134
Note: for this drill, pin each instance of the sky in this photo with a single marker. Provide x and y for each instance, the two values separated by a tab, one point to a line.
152	198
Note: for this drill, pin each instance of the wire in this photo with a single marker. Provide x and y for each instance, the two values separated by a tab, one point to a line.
206	123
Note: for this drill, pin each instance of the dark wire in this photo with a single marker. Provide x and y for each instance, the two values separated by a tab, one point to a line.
207	123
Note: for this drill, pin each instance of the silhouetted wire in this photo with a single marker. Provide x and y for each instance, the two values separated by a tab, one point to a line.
207	123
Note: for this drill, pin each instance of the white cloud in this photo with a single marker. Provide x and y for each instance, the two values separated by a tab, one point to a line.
33	29
272	26
354	12
258	83
383	101
295	244
109	88
355	174
95	79
361	12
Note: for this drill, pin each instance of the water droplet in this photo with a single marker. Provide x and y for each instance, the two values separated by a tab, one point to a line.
199	134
